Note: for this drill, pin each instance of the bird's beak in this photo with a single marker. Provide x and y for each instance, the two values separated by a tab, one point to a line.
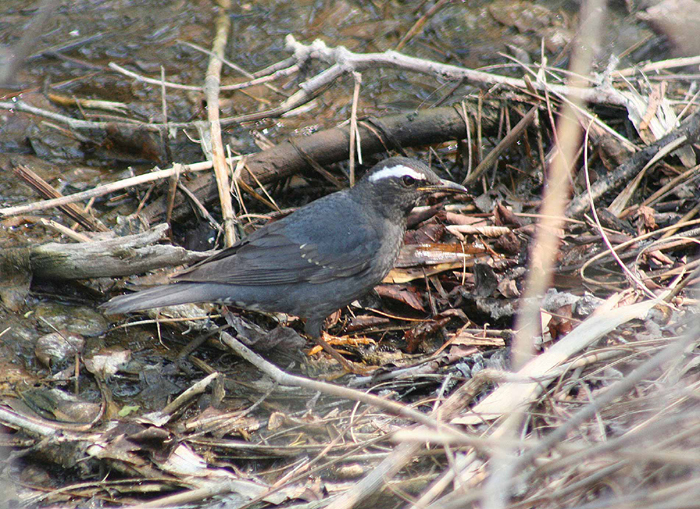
445	186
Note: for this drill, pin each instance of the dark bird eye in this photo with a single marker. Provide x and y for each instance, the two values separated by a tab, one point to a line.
408	181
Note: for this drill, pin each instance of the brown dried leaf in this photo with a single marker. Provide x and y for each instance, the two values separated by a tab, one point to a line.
402	293
416	337
503	216
561	322
645	220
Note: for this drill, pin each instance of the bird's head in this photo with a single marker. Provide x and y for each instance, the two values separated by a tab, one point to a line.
398	183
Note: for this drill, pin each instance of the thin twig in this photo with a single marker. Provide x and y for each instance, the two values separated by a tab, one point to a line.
105	189
283	378
211	92
506	142
391	59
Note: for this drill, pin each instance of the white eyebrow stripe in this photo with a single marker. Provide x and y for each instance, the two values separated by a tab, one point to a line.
396	171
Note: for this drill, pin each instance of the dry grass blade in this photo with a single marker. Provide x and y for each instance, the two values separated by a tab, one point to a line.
510	396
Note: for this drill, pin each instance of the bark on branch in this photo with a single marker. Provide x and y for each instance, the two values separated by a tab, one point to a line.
121	256
290	157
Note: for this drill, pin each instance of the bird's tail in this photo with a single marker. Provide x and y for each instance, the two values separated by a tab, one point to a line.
156	297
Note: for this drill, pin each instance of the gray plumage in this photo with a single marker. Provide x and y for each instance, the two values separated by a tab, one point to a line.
312	262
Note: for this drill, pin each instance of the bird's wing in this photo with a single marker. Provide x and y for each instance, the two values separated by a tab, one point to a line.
292	251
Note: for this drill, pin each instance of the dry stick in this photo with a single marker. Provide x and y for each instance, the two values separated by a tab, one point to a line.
686	217
418	25
277	66
71	489
71	210
685	282
105	189
549	88
74	123
152	81
467	127
631	277
198	205
479	133
238	69
172	188
543	255
295	101
270	202
663	191
657	66
690	129
64	230
196	389
620	202
316	166
633	241
211	92
347	61
210	490
406	452
283	378
282	73
506	142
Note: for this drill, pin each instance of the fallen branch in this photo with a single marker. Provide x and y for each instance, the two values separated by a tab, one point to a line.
121	256
291	157
345	61
288	158
283	378
211	93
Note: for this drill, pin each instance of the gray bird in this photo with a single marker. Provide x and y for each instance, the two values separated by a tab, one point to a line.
314	261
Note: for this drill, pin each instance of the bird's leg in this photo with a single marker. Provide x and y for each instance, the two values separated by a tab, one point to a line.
334	353
314	329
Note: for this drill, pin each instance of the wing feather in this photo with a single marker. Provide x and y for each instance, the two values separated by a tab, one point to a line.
289	251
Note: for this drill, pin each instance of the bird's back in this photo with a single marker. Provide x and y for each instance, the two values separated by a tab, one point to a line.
309	263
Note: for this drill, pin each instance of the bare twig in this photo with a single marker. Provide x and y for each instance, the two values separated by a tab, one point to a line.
689	129
506	142
344	61
418	25
71	210
152	81
211	92
105	189
606	240
254	81
544	252
283	378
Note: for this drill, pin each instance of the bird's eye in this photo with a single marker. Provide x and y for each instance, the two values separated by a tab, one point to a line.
408	181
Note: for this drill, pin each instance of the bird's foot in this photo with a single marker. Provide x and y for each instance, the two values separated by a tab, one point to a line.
347	365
